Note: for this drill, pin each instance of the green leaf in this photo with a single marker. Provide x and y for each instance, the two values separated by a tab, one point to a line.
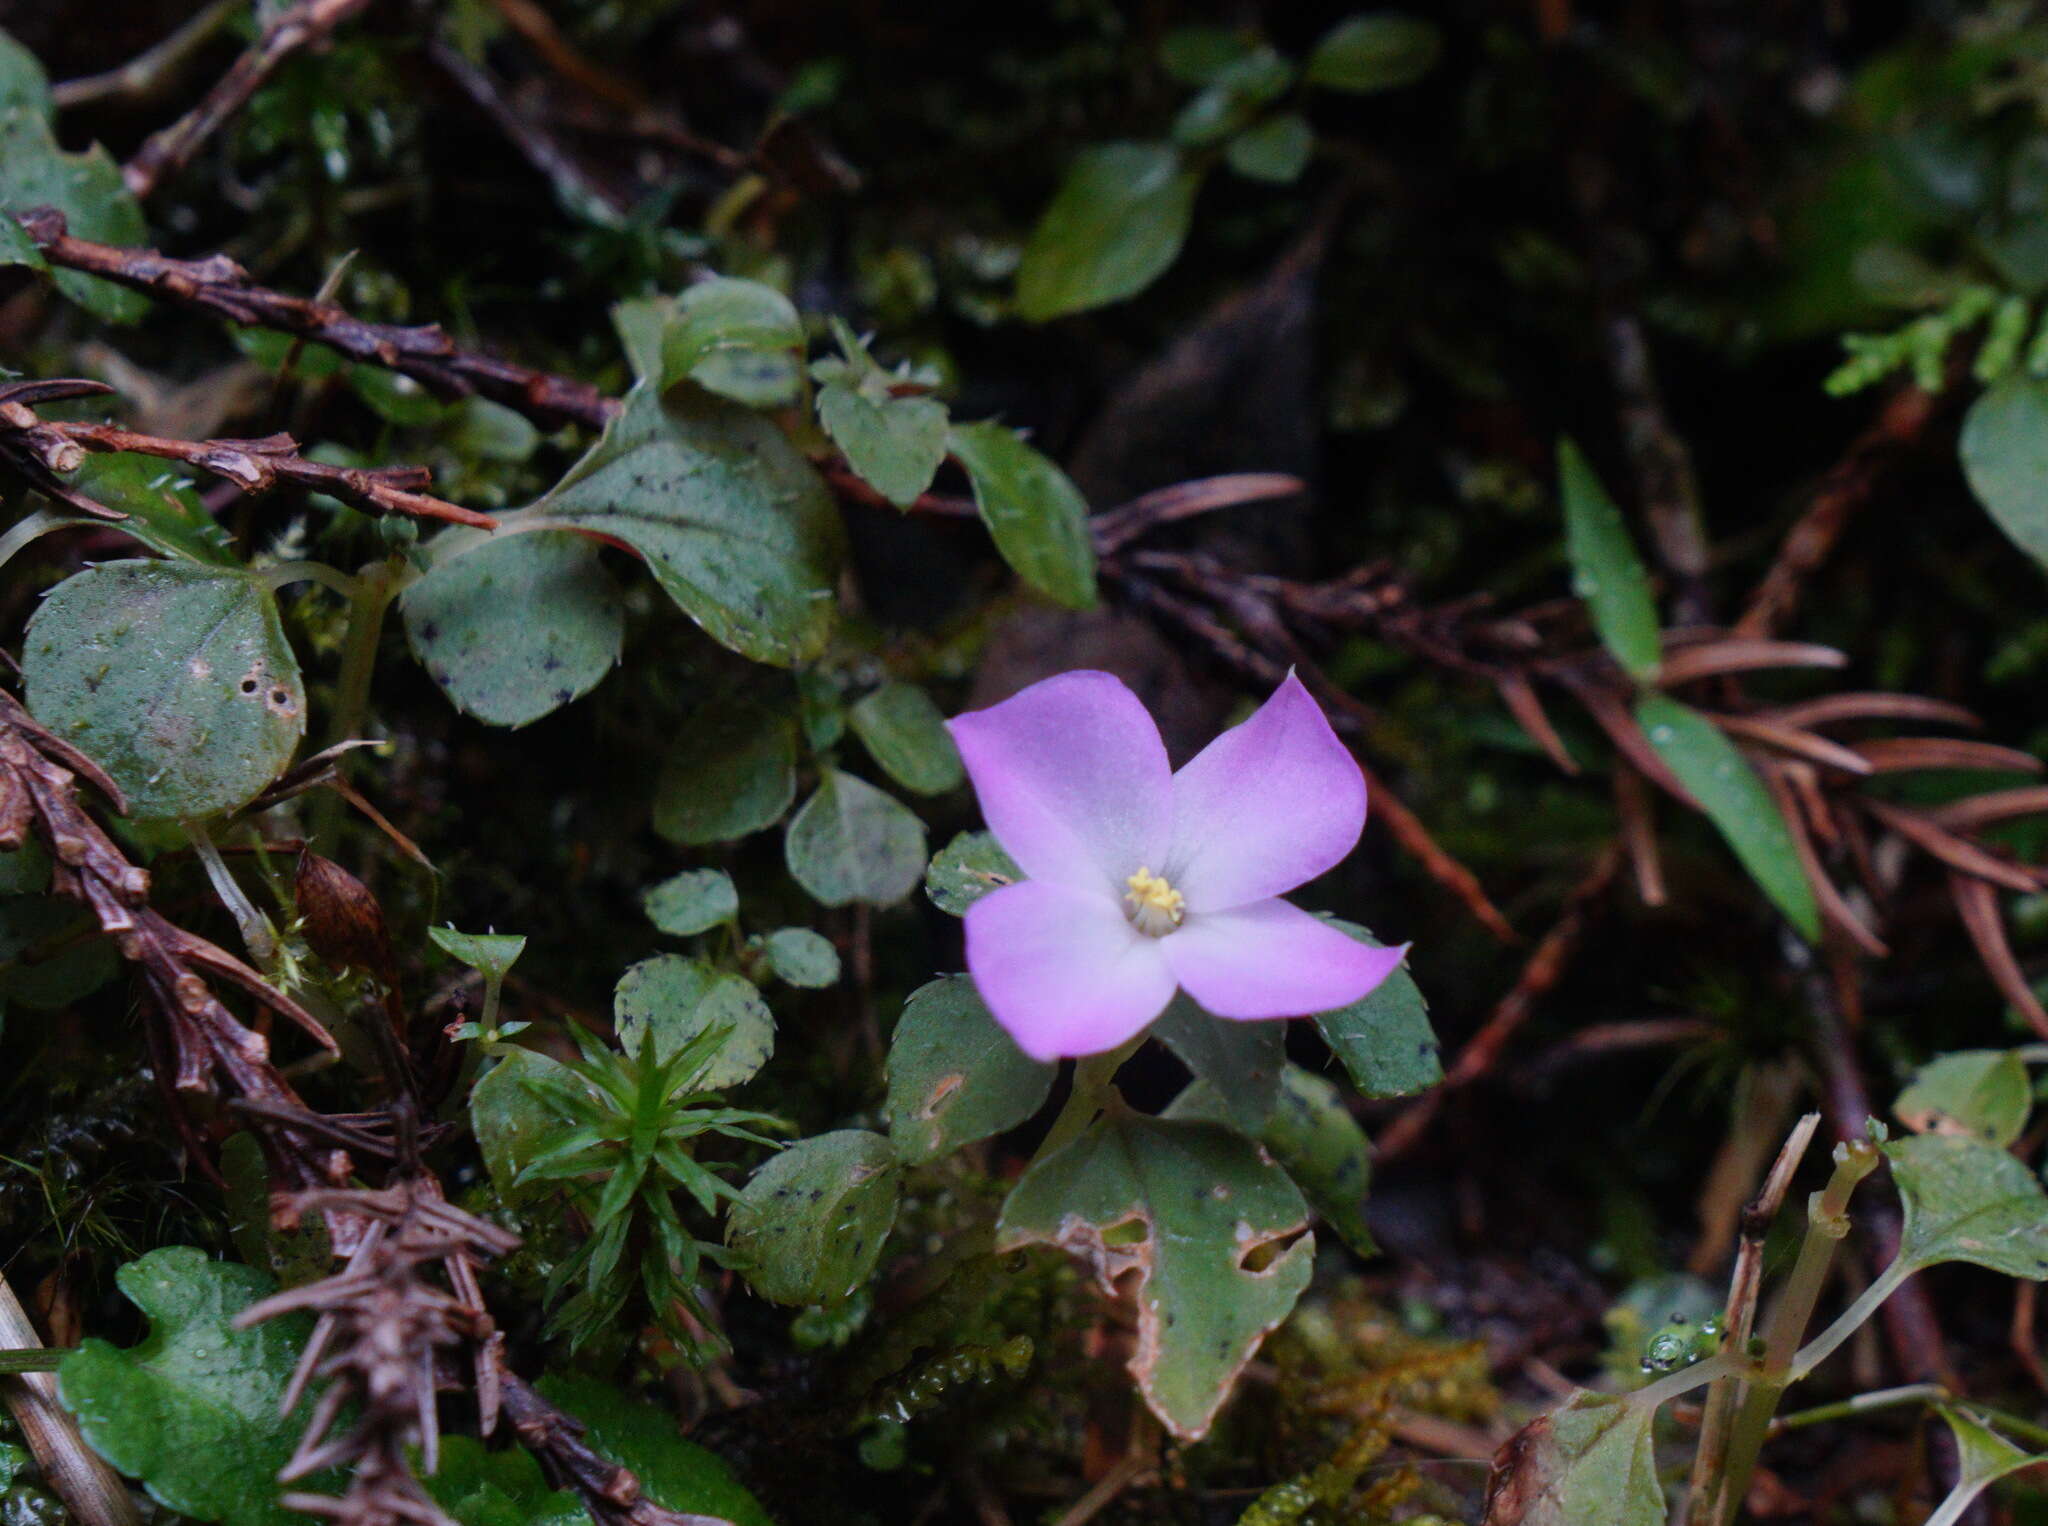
1037	517
22	81
1735	800
1195	55
1232	98
164	512
1589	1462
192	1411
1969	1201
395	397
1384	1038
675	999
1984	1092
1242	1059
1184	1206
894	444
175	678
810	1225
491	955
676	1473
1986	1457
966	869
1374	52
512	627
17	248
301	1254
1606	572
731	519
731	771
692	902
51	952
906	734
511	1122
802	957
954	1075
851	842
1276	151
1116	224
478	1487
2004	450
737	338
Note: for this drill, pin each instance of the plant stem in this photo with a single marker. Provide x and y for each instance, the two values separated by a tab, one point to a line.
1720	1365
1864	1404
257	934
1093	1086
33	1359
1850	1320
93	1490
376	586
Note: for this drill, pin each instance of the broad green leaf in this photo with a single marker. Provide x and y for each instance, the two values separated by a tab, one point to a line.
1117	222
1242	1059
1984	1092
731	771
51	952
954	1075
894	444
810	1224
1232	98
966	869
802	957
175	678
192	1410
14	1461
1037	517
22	81
731	519
1986	1457
1589	1462
691	902
513	627
1969	1201
676	1473
851	842
906	734
1384	1038
2004	450
1276	151
674	999
1735	800
1377	51
491	955
164	512
1606	571
510	1121
1314	1138
1184	1206
478	1487
737	338
1195	55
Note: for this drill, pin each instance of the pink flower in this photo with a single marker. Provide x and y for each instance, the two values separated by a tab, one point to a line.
1140	880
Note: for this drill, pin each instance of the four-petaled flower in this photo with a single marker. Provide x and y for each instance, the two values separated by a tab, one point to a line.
1140	880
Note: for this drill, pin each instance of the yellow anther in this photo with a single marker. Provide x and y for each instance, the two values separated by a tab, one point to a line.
1156	907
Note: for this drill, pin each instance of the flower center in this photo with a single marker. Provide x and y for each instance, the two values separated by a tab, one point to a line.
1156	907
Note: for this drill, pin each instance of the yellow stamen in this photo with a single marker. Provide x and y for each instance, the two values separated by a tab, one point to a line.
1156	907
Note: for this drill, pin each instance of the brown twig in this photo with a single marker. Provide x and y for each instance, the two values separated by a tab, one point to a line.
610	1492
145	74
307	24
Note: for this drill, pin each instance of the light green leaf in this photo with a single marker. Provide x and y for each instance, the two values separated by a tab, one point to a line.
954	1075
513	627
894	444
2004	450
1384	1038
1116	224
1374	52
1606	572
22	81
1276	151
674	999
1984	1092
175	678
1735	800
1589	1462
731	519
731	771
511	1122
491	955
1184	1206
810	1225
740	339
164	512
1242	1059
691	902
907	735
1037	517
966	869
851	842
802	957
1969	1201
504	1488
677	1473
1232	98
1986	1457
17	248
192	1411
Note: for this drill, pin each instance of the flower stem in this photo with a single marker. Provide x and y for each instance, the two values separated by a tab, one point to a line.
375	587
1094	1086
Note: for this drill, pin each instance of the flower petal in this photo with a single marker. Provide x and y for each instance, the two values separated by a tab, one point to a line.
1062	970
1072	778
1272	959
1265	807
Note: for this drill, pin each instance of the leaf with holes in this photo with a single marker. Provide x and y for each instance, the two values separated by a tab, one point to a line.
853	843
175	678
1203	1219
1384	1038
1969	1201
512	627
1036	515
672	999
811	1222
954	1075
1984	1092
1589	1462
